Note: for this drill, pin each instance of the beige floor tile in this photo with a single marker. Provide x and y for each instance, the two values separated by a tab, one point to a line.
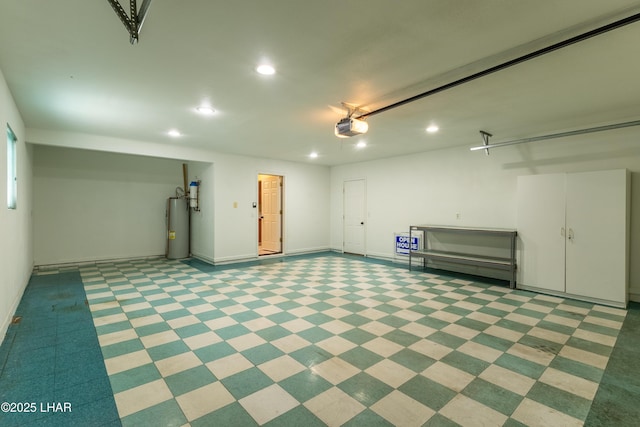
246	341
297	325
483	317
290	343
532	354
336	345
409	315
334	407
372	313
583	356
229	365
281	368
202	308
220	322
613	324
507	334
234	309
127	361
560	320
204	400
183	321
146	320
174	364
108	305
142	397
460	331
382	347
595	337
534	414
107	320
336	312
335	370
117	337
417	329
336	326
165	308
507	379
377	328
548	335
467	305
268	403
448	376
160	338
531	305
480	351
401	410
135	307
525	320
302	311
268	310
432	349
390	373
185	297
570	383
468	412
573	309
446	316
202	340
258	324
156	297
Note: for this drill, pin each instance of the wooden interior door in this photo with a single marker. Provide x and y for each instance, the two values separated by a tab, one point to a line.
271	213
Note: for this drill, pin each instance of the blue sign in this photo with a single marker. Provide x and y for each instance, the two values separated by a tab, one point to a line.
404	243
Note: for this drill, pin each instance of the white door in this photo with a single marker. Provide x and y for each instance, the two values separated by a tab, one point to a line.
271	213
541	230
354	205
596	234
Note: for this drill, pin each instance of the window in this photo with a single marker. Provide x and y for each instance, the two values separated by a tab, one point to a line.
12	176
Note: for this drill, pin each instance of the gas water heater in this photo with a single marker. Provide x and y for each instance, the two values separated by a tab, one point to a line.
177	228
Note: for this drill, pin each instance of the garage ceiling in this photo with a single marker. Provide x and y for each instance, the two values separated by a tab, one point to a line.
71	68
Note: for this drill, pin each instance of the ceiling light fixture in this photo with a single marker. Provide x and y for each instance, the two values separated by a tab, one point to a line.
313	155
174	133
205	111
361	144
433	129
266	69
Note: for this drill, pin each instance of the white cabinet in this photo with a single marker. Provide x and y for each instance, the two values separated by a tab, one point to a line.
573	231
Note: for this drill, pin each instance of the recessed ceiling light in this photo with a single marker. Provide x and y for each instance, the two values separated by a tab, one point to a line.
174	133
433	129
361	144
313	155
266	69
205	111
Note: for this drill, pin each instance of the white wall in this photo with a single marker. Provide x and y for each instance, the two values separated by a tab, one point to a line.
305	211
16	252
91	205
433	187
221	232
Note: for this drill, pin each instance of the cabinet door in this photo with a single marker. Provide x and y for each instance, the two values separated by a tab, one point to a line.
597	234
541	221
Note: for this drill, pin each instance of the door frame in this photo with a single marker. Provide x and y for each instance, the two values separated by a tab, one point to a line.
282	213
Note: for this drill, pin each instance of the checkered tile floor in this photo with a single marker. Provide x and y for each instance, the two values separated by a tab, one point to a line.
332	340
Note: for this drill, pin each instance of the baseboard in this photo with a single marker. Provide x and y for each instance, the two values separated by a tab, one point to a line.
12	310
